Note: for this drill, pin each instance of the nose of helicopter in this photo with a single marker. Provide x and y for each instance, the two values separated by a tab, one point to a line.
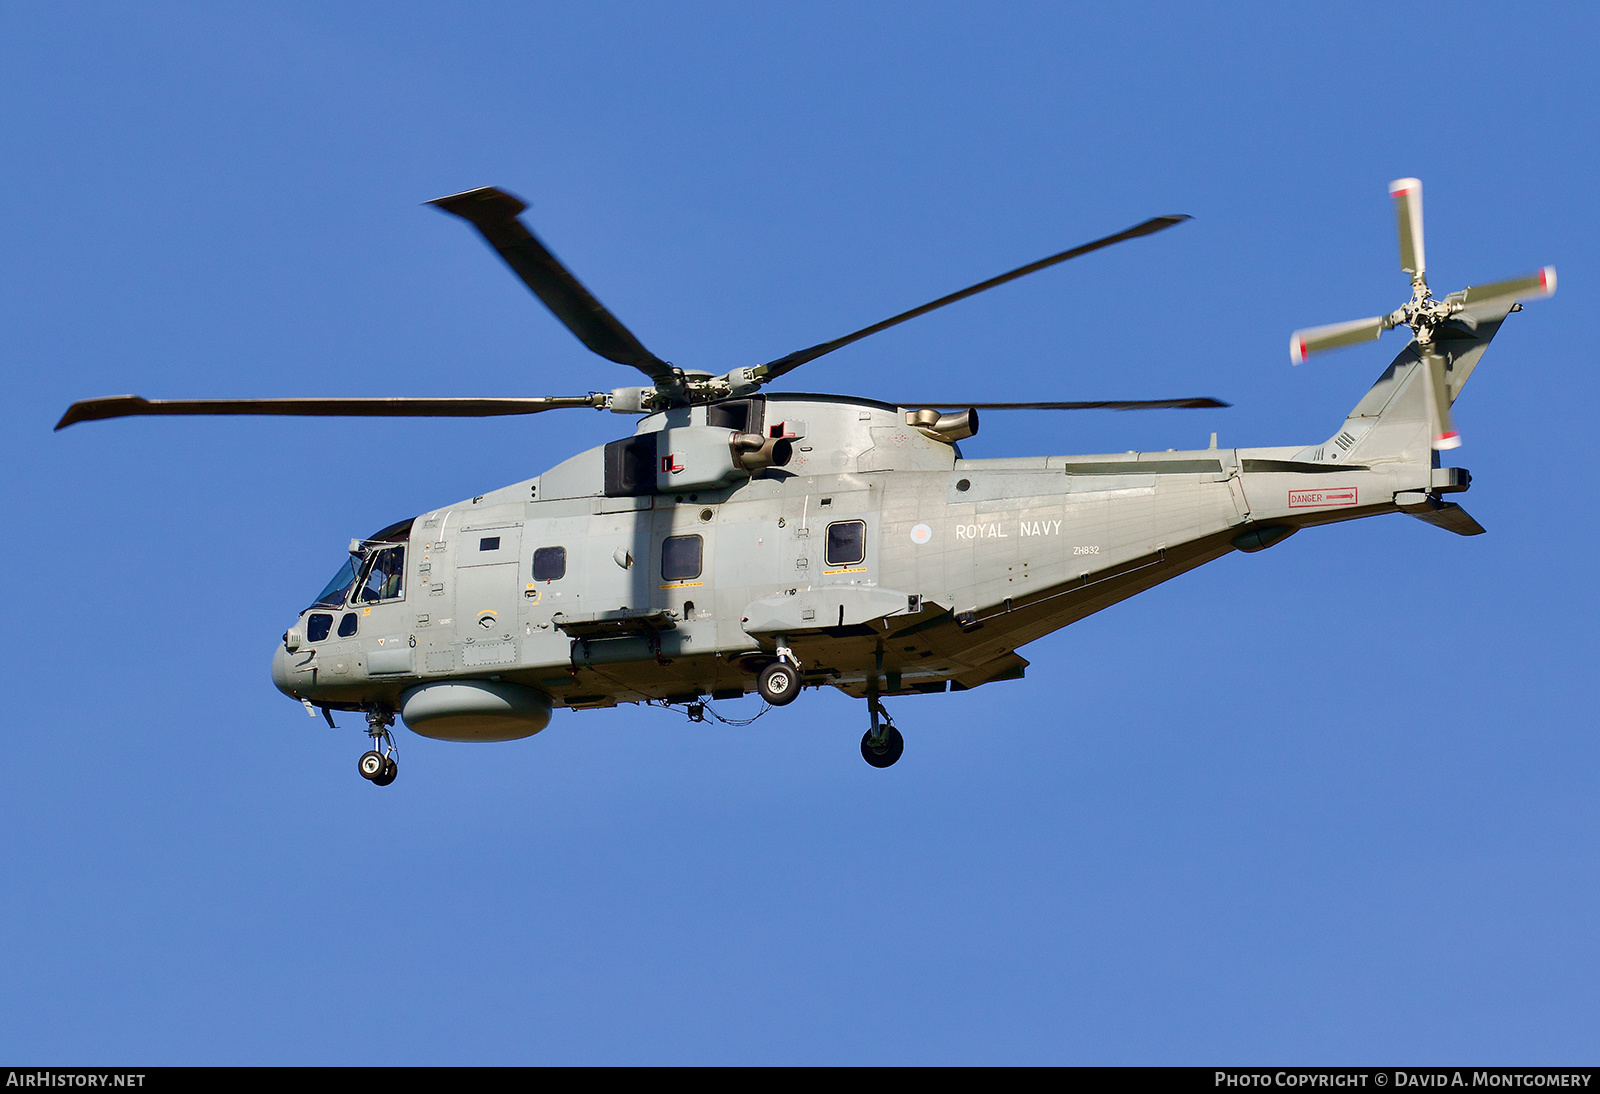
280	669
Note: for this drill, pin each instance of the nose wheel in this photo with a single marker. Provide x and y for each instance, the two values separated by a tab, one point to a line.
378	765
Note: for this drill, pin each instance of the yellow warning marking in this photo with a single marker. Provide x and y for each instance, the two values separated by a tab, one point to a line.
683	585
851	570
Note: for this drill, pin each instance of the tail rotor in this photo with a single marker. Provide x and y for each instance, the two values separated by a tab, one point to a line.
1424	313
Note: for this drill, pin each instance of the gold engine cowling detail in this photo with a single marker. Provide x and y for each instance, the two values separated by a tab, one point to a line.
701	457
948	428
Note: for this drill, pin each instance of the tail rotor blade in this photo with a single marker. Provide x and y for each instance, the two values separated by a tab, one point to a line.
1303	343
1533	287
1444	430
1407	194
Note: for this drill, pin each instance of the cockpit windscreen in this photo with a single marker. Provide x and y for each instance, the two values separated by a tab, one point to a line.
334	595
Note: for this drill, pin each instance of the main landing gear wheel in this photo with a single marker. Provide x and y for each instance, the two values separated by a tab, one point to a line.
886	750
386	776
779	683
373	766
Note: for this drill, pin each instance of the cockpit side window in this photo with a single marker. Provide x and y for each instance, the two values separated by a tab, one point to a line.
383	578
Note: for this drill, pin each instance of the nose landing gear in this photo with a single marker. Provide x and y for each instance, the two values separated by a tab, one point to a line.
378	765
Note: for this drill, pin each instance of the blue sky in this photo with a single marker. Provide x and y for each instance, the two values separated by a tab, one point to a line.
1332	803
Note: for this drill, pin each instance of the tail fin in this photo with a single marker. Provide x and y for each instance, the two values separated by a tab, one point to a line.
1402	416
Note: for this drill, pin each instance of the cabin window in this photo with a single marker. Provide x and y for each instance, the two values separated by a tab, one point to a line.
384	576
489	543
348	625
550	564
680	557
847	542
318	626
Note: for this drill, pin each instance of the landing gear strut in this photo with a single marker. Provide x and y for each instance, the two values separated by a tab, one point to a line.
378	765
881	745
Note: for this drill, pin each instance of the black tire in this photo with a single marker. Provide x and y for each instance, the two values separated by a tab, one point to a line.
893	746
390	770
370	765
779	683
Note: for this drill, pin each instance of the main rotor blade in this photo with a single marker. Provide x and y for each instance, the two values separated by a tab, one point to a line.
1407	194
1123	404
1533	287
800	357
1303	343
494	213
126	406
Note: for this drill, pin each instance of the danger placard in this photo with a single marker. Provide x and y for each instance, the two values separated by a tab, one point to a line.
1319	499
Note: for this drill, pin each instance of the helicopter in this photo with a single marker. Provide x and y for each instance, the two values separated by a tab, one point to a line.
742	540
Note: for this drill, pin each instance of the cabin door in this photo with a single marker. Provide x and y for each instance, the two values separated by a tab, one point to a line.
488	566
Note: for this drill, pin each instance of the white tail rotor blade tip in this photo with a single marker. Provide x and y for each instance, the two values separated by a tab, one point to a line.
1402	187
1547	280
1297	348
1451	439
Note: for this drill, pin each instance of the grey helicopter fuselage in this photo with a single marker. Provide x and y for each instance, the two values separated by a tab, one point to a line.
877	558
745	540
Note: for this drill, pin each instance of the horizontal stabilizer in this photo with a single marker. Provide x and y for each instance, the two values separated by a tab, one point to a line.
1444	514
